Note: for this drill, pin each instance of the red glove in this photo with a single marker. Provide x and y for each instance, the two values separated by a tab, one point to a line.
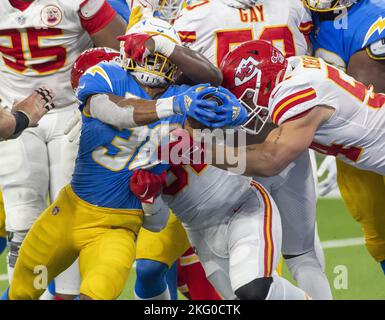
146	185
135	46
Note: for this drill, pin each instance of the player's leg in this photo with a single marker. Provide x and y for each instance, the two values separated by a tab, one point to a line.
24	180
296	201
363	193
107	250
211	248
66	284
156	252
3	235
254	239
192	281
46	251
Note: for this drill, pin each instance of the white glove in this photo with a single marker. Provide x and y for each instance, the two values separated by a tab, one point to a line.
71	144
329	167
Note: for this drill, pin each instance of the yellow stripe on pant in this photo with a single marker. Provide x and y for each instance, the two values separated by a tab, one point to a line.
364	196
2	217
103	238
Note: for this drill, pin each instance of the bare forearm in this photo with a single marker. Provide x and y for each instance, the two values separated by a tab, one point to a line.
107	36
7	124
196	67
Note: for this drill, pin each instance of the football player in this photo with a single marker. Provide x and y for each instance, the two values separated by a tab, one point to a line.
314	104
97	210
299	249
39	41
357	47
287	25
238	242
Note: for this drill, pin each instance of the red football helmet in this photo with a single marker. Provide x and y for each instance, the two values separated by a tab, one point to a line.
88	59
251	72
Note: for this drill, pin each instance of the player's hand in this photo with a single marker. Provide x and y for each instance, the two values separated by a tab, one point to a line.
231	113
36	105
137	46
74	127
146	185
192	104
329	167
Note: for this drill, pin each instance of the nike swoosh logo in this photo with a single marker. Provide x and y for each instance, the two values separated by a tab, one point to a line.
144	194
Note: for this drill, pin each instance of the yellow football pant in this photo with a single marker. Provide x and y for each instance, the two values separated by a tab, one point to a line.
364	196
2	217
165	246
104	240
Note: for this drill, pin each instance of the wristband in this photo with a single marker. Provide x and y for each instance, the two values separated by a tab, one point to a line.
163	45
165	107
22	122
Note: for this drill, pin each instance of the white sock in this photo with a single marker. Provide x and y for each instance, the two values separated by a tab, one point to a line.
319	252
281	289
47	295
165	295
10	272
308	273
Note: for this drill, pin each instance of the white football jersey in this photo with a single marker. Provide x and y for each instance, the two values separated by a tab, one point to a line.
214	28
39	43
200	195
356	131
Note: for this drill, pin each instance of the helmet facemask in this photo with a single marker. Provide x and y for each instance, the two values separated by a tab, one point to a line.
155	71
328	5
169	10
258	115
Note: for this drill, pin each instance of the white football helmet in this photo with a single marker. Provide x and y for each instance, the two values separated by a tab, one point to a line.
328	5
167	10
156	70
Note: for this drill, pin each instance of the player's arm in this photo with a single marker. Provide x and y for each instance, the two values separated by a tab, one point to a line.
102	23
25	113
147	187
194	67
368	66
132	112
283	145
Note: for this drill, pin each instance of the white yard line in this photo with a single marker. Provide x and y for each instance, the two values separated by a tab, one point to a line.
342	243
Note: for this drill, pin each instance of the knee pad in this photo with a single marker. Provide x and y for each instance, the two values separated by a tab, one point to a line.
150	278
309	260
23	207
258	289
14	243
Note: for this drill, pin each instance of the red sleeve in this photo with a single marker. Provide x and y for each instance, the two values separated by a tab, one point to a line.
94	20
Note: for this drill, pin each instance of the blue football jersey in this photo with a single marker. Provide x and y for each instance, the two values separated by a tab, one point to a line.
336	41
107	156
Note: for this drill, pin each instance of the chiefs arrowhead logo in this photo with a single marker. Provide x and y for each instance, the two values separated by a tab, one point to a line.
246	70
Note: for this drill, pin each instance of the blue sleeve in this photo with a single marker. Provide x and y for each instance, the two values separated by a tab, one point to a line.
102	78
121	7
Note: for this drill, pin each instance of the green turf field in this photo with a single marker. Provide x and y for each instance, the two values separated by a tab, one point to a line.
352	273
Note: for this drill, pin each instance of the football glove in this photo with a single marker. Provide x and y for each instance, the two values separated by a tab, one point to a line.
146	185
